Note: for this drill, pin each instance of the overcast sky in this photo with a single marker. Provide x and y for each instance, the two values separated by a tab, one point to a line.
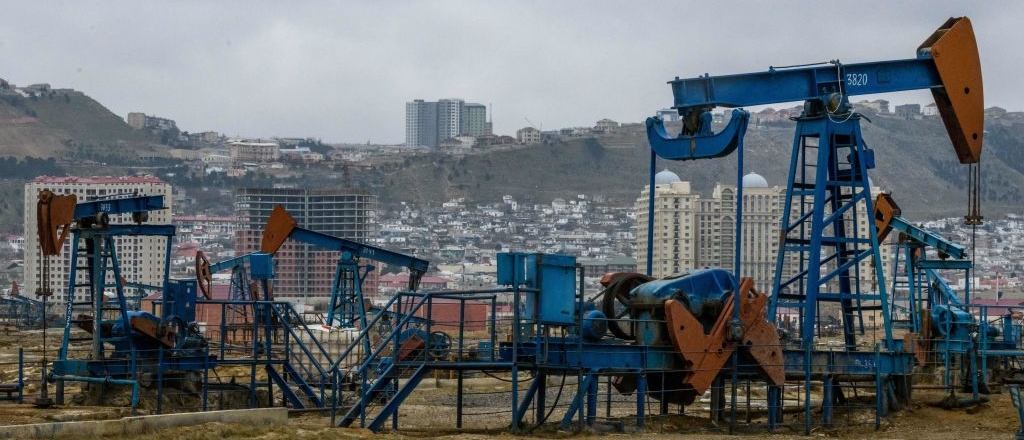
342	71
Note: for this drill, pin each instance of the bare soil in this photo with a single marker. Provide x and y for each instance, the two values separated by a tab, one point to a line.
429	413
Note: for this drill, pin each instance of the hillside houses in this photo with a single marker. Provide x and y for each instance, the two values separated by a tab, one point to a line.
574	227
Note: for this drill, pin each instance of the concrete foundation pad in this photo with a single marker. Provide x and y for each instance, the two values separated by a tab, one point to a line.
143	424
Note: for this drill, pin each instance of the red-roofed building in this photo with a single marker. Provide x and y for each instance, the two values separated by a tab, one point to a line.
395	283
996	307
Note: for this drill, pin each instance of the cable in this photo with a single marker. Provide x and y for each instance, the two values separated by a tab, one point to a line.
800	65
554	405
505	380
839	81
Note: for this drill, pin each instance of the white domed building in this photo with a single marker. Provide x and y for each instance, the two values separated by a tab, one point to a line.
762	216
675	225
754	180
665	177
693	231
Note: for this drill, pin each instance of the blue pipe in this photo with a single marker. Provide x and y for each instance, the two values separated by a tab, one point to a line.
650	215
106	381
21	374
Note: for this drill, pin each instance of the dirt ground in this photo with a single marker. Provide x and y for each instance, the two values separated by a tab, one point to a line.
428	414
995	420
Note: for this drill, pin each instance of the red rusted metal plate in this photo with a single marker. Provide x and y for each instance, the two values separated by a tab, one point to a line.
705	354
886	210
154	330
761	340
54	214
279	226
961	100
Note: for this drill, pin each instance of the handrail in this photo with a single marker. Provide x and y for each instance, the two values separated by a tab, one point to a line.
363	334
393	336
288	307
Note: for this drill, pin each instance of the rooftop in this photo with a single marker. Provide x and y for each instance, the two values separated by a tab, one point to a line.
97	179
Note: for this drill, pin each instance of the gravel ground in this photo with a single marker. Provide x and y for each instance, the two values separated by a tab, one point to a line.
430	412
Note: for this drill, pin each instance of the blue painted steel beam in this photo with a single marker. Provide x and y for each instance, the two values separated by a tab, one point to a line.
122	367
119	206
802	84
130	230
941	286
568	353
391	407
701	146
359	250
846	363
945	264
286	390
520	413
232	262
929	238
578	400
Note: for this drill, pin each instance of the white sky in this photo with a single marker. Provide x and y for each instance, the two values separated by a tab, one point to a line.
342	71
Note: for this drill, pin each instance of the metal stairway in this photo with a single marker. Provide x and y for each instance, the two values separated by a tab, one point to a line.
392	370
301	373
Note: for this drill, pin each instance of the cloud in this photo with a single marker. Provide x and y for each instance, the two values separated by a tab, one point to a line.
342	71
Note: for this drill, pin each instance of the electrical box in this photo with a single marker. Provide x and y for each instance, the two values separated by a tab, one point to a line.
516	269
554	276
557	278
180	299
261	266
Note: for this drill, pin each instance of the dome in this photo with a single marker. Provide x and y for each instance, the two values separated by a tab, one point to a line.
665	177
754	180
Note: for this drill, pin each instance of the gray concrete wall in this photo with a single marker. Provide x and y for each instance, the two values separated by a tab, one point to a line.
143	424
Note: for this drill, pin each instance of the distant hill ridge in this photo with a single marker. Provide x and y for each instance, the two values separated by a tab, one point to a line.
915	159
64	122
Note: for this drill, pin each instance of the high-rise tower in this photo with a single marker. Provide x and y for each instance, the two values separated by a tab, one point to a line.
141	258
304	274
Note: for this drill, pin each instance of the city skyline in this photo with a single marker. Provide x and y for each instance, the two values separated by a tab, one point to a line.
342	72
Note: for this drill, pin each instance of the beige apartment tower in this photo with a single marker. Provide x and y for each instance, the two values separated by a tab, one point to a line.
692	232
141	258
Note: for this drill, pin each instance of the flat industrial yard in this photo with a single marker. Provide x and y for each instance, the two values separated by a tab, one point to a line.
429	412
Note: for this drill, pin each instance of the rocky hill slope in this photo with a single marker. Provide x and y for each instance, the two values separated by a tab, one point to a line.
64	123
914	160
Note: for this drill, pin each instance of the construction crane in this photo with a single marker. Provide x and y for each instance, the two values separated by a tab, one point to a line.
346	304
532	125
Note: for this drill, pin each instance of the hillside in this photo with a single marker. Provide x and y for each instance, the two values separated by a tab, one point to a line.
915	161
65	123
